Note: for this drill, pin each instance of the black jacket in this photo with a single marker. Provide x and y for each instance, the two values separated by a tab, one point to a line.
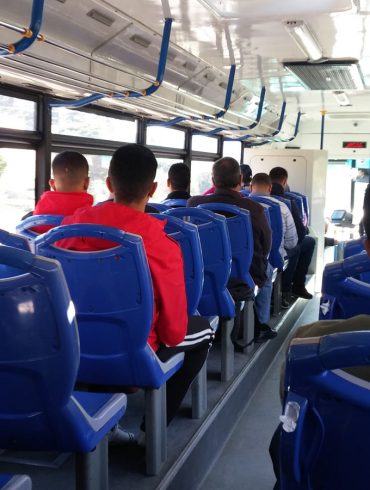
179	195
278	190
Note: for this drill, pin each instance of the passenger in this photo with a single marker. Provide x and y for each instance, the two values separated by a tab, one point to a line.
226	177
246	172
69	187
178	181
131	180
294	282
327	327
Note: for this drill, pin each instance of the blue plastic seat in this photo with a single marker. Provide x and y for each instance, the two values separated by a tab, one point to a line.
24	228
160	207
113	295
299	203
285	201
343	293
327	446
305	204
13	240
353	247
175	203
245	192
216	299
39	359
15	482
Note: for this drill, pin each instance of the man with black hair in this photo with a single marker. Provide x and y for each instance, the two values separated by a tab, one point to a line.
178	181
295	280
246	172
130	179
227	179
69	186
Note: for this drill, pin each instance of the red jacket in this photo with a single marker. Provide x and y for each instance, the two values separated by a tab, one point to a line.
63	203
165	262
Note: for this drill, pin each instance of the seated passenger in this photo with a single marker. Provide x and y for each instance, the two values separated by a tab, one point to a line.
327	327
131	180
296	283
178	181
69	187
226	177
246	172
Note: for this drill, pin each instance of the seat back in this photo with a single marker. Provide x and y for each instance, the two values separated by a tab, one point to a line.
13	240
285	201
276	223
241	239
328	447
245	192
39	348
160	207
353	247
299	202
25	227
305	204
175	203
343	293
186	234
217	259
113	295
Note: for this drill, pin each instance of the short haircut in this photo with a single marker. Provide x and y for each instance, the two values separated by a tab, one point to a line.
246	172
179	176
366	218
278	174
132	170
226	173
261	178
70	166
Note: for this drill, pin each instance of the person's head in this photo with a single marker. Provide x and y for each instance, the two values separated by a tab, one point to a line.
131	175
226	174
246	172
366	220
179	177
70	172
361	172
261	183
279	175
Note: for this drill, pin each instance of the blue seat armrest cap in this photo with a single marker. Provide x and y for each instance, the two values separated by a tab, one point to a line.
17	482
172	365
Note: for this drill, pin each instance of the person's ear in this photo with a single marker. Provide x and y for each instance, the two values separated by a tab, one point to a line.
52	184
109	184
152	189
367	246
270	189
86	183
213	181
168	183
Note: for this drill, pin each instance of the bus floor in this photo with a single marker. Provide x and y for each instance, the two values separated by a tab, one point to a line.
244	463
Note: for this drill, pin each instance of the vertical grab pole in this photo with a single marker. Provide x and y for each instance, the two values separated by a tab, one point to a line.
323	114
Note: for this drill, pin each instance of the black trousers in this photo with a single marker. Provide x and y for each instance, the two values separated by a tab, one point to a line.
196	350
299	261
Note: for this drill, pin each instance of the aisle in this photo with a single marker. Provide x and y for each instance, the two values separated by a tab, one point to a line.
245	463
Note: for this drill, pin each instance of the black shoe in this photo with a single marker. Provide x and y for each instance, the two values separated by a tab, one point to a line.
301	292
265	333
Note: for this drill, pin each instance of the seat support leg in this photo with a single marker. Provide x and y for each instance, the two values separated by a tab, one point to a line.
227	350
248	325
155	429
199	393
92	468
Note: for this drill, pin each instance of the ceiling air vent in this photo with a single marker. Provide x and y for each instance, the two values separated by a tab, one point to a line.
99	17
328	75
188	65
140	40
171	55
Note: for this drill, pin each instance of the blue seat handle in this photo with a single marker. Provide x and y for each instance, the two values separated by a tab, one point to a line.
345	349
194	212
229	208
86	230
39	220
15	257
179	223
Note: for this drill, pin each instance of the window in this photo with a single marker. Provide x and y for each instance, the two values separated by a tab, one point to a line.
89	125
204	143
232	149
165	137
17	185
164	165
17	113
201	177
338	196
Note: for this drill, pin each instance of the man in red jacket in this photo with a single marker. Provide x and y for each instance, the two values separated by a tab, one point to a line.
131	181
69	187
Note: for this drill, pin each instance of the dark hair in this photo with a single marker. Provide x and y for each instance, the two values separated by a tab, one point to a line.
366	218
179	176
278	174
71	166
226	173
132	171
261	178
246	172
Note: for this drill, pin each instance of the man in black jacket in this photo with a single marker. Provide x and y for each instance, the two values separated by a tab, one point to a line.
294	278
178	181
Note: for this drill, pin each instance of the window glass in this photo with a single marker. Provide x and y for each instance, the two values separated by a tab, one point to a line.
232	149
338	196
88	125
17	113
164	165
204	143
17	185
201	177
166	137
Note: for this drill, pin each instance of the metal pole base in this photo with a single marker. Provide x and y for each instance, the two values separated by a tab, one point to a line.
227	350
199	393
92	468
155	429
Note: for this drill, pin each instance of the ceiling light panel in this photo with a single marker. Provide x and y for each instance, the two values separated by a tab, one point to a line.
304	38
